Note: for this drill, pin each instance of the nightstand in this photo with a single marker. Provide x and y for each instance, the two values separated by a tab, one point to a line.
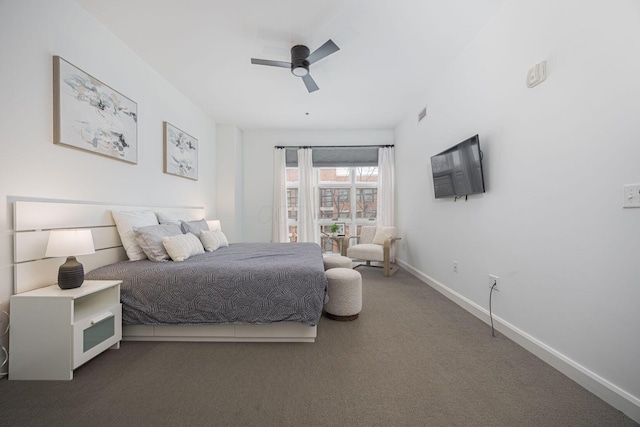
53	330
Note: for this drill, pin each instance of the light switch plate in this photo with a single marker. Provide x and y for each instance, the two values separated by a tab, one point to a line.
631	197
537	74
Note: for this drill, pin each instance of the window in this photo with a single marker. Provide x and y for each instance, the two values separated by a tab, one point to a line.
292	203
366	202
346	195
334	203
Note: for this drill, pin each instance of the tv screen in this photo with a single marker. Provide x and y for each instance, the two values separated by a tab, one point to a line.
458	171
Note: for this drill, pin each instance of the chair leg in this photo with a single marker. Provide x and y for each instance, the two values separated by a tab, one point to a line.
388	270
386	262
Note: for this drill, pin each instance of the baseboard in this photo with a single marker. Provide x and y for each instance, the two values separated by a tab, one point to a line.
610	393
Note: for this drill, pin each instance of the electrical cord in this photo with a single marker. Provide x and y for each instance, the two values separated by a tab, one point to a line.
4	350
493	331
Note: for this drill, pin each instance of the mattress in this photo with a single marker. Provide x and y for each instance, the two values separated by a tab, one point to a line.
244	283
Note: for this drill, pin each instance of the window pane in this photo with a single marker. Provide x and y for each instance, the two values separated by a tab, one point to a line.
334	203
292	203
366	174
292	175
328	244
335	174
293	233
366	202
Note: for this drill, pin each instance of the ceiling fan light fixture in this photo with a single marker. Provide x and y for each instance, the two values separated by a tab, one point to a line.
299	63
300	70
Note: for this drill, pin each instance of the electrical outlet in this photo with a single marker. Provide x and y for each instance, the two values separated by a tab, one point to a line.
494	279
455	266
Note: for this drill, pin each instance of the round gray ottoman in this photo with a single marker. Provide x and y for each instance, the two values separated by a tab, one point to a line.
345	294
337	262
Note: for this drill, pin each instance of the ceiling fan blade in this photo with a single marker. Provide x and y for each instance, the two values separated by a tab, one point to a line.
271	63
309	83
323	51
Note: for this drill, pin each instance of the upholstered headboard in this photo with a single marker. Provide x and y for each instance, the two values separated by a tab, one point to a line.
34	220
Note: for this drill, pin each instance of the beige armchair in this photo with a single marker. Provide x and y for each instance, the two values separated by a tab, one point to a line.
373	244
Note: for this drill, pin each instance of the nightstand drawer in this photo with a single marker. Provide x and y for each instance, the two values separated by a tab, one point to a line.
93	335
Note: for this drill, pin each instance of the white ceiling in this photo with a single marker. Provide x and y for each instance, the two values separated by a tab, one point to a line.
390	52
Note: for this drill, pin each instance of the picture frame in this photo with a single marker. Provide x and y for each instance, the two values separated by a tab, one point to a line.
180	152
91	116
341	228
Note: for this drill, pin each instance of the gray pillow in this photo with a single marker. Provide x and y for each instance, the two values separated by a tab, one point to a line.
171	218
194	227
150	240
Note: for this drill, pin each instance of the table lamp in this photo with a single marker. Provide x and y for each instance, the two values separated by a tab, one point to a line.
70	243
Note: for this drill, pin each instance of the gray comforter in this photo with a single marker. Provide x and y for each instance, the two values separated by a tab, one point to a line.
241	283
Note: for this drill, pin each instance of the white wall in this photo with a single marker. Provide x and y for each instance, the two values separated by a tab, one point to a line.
551	223
229	182
258	167
31	32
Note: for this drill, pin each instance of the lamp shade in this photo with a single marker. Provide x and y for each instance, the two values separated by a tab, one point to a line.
69	243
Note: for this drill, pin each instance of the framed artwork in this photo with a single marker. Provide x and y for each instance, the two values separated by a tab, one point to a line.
91	116
341	227
180	153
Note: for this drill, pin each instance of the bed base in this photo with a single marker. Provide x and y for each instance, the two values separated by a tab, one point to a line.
277	332
33	220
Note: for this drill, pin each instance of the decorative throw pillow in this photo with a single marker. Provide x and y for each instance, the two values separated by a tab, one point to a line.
194	227
150	240
382	234
182	246
213	239
171	218
125	221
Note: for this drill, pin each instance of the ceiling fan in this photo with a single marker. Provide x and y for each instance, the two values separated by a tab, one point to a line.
300	61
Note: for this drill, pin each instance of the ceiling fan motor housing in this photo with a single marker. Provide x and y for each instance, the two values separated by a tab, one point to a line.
299	63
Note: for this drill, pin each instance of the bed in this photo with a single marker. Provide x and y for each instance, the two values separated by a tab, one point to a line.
242	292
252	283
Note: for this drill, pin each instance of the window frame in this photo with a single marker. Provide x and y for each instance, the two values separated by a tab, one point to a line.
352	223
292	222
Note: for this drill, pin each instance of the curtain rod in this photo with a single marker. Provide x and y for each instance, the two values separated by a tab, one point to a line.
334	146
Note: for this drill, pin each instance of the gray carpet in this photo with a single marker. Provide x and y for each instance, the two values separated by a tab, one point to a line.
413	358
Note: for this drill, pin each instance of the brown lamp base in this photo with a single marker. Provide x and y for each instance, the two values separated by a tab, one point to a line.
70	274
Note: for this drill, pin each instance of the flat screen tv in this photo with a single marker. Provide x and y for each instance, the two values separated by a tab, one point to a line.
457	172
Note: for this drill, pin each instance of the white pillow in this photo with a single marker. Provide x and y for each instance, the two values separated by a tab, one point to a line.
182	246
382	234
171	218
213	239
214	224
125	221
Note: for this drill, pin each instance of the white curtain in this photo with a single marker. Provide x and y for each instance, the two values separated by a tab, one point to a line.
280	231
386	185
307	230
